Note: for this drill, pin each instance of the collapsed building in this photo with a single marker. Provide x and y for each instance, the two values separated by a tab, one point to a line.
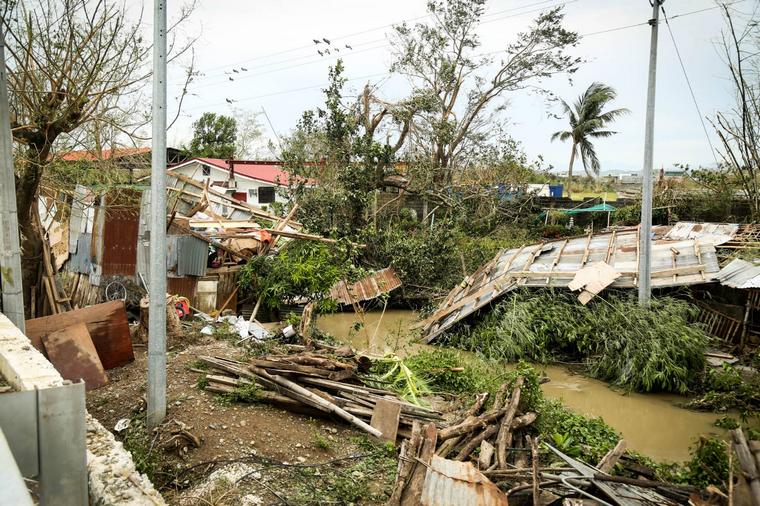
684	254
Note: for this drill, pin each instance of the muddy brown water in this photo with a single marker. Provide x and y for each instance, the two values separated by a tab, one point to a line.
653	424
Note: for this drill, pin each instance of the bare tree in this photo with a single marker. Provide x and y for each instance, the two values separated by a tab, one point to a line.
73	65
739	127
441	62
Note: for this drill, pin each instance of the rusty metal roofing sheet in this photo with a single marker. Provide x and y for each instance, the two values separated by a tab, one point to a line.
555	263
367	288
740	274
712	233
449	482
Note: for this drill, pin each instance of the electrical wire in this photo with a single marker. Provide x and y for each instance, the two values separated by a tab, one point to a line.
691	89
370	30
383	40
385	74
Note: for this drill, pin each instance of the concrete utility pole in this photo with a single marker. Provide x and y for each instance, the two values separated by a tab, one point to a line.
157	292
645	232
10	249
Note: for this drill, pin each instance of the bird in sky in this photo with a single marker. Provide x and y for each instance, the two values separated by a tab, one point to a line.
244	69
317	41
236	71
348	47
231	79
326	40
320	52
228	100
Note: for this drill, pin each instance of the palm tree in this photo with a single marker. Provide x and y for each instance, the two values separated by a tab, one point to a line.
587	121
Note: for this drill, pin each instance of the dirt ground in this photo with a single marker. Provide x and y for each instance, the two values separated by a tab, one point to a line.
314	458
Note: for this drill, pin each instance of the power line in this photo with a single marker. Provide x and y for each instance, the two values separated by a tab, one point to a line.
370	76
691	90
370	30
385	44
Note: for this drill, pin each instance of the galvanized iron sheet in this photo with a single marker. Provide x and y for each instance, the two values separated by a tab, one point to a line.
192	256
739	274
448	483
367	288
713	233
555	263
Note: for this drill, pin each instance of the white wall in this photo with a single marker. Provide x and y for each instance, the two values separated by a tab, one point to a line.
244	184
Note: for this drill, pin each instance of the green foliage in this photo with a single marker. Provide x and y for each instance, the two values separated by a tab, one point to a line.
642	349
213	136
300	270
398	377
708	465
725	388
591	436
321	441
249	392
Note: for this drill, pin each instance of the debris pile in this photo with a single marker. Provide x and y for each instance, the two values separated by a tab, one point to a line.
317	383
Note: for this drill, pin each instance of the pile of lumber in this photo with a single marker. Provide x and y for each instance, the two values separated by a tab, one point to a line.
317	383
494	431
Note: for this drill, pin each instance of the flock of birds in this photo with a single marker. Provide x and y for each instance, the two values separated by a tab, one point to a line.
321	52
327	50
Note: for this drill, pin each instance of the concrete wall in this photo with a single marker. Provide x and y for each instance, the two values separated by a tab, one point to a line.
113	479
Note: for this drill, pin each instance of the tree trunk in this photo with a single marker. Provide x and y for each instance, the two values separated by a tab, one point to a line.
570	172
31	234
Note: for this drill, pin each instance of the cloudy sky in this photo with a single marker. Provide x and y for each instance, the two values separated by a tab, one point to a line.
273	41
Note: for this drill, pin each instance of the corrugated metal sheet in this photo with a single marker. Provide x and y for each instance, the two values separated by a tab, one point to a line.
740	274
80	260
452	483
192	256
367	288
76	220
120	237
555	263
143	243
184	287
171	255
711	233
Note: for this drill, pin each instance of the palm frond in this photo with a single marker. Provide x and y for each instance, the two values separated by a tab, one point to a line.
601	133
589	158
562	136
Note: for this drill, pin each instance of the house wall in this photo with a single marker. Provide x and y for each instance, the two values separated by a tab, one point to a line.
221	176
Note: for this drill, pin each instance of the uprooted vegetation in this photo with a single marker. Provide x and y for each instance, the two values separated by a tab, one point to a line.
642	349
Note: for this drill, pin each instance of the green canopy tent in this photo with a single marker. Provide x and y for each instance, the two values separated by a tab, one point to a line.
599	208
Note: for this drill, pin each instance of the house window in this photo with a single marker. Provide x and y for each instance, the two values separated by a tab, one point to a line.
253	194
206	170
266	195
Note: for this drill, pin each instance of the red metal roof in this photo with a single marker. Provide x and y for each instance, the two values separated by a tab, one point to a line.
267	171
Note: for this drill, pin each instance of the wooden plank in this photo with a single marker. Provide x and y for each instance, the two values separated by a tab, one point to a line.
106	323
413	490
385	418
73	354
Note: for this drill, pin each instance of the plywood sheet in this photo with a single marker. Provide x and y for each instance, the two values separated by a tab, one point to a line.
385	418
73	354
106	323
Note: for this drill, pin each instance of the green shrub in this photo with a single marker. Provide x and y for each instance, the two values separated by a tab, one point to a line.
642	349
300	270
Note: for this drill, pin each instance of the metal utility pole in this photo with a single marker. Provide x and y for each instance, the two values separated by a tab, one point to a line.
10	249
645	232
157	292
